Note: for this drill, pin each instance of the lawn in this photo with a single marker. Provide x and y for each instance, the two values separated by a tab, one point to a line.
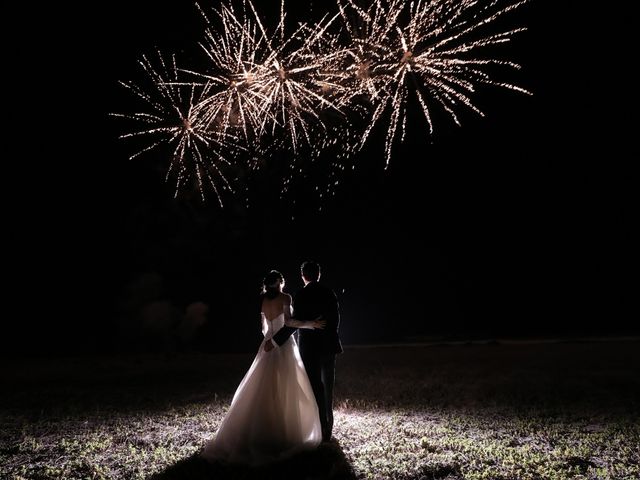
500	411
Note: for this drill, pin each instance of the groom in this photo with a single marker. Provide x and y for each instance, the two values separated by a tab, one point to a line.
318	348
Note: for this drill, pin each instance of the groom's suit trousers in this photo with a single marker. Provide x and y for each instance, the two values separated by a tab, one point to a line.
321	370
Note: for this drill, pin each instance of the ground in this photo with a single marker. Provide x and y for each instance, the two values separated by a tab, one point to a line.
514	411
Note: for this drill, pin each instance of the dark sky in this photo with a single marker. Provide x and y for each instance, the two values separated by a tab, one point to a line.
518	223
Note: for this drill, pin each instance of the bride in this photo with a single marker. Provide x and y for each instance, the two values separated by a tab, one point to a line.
273	413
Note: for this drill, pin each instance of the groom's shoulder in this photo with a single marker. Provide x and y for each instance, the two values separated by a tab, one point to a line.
327	290
312	289
317	287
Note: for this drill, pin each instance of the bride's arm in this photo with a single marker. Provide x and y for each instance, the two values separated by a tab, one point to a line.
263	324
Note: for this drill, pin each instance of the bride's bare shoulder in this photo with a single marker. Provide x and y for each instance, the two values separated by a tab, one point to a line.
271	307
280	298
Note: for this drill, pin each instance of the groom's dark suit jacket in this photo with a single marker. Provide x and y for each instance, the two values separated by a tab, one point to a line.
313	301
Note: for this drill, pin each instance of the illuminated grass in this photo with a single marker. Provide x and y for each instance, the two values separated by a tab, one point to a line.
519	412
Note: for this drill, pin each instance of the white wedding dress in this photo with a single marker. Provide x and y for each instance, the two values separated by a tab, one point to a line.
273	413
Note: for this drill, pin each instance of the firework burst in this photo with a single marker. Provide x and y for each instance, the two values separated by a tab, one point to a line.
290	81
421	51
232	51
173	119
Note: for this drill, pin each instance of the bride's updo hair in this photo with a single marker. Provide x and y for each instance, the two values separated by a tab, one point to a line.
272	284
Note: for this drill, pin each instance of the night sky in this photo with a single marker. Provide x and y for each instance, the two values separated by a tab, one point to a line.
517	224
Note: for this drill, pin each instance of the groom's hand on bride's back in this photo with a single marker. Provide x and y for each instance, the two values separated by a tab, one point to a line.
319	324
268	345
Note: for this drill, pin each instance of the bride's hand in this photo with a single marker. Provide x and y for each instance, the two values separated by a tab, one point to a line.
319	324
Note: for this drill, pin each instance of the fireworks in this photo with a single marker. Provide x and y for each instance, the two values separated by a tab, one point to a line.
303	88
174	120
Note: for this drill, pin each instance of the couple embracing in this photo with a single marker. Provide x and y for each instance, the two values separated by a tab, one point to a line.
284	403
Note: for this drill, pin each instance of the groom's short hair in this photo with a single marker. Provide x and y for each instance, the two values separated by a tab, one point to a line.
310	270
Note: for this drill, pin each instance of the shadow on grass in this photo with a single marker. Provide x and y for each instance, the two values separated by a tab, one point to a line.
328	461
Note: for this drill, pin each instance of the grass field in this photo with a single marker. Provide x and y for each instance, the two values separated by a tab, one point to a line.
546	411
